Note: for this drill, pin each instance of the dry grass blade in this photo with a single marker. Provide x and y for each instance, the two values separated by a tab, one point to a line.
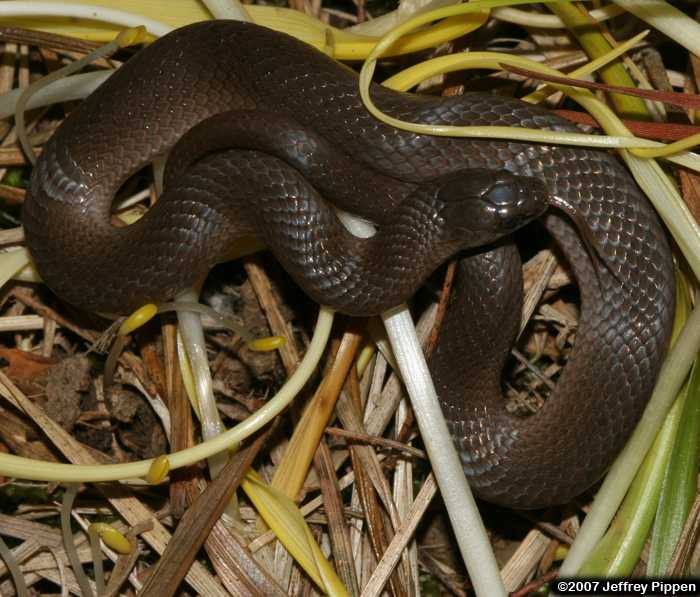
338	531
690	187
239	571
533	587
271	306
41	551
29	299
12	195
687	544
379	442
11	156
195	525
12	236
445	294
46	40
125	563
372	486
403	490
86	588
403	536
182	481
291	472
524	561
21	322
544	264
13	566
378	525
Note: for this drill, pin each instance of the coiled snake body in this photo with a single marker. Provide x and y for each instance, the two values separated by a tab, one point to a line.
405	182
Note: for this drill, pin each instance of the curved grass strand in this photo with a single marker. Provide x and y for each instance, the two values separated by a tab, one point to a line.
13	568
68	543
37	470
98	565
112	359
670	149
493	61
192	334
67	89
124	39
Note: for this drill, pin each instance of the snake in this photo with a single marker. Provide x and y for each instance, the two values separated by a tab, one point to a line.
268	136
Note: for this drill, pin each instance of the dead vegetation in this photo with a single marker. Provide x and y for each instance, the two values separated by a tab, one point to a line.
369	488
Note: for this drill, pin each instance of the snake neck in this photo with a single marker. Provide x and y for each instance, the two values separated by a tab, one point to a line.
352	275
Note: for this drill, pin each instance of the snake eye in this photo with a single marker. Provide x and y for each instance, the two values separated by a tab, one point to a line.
502	194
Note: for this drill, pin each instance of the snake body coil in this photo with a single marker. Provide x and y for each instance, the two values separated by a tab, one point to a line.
207	69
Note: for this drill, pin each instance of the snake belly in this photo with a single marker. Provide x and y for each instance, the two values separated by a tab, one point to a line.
208	68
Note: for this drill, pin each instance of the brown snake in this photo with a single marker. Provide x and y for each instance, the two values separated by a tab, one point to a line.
431	196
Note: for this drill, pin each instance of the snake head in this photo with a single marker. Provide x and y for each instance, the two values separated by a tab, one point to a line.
480	206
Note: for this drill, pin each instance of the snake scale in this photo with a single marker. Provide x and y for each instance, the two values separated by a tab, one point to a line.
431	196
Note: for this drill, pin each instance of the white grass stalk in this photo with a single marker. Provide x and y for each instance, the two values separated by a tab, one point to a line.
528	18
667	19
227	9
83	11
71	88
464	514
192	333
